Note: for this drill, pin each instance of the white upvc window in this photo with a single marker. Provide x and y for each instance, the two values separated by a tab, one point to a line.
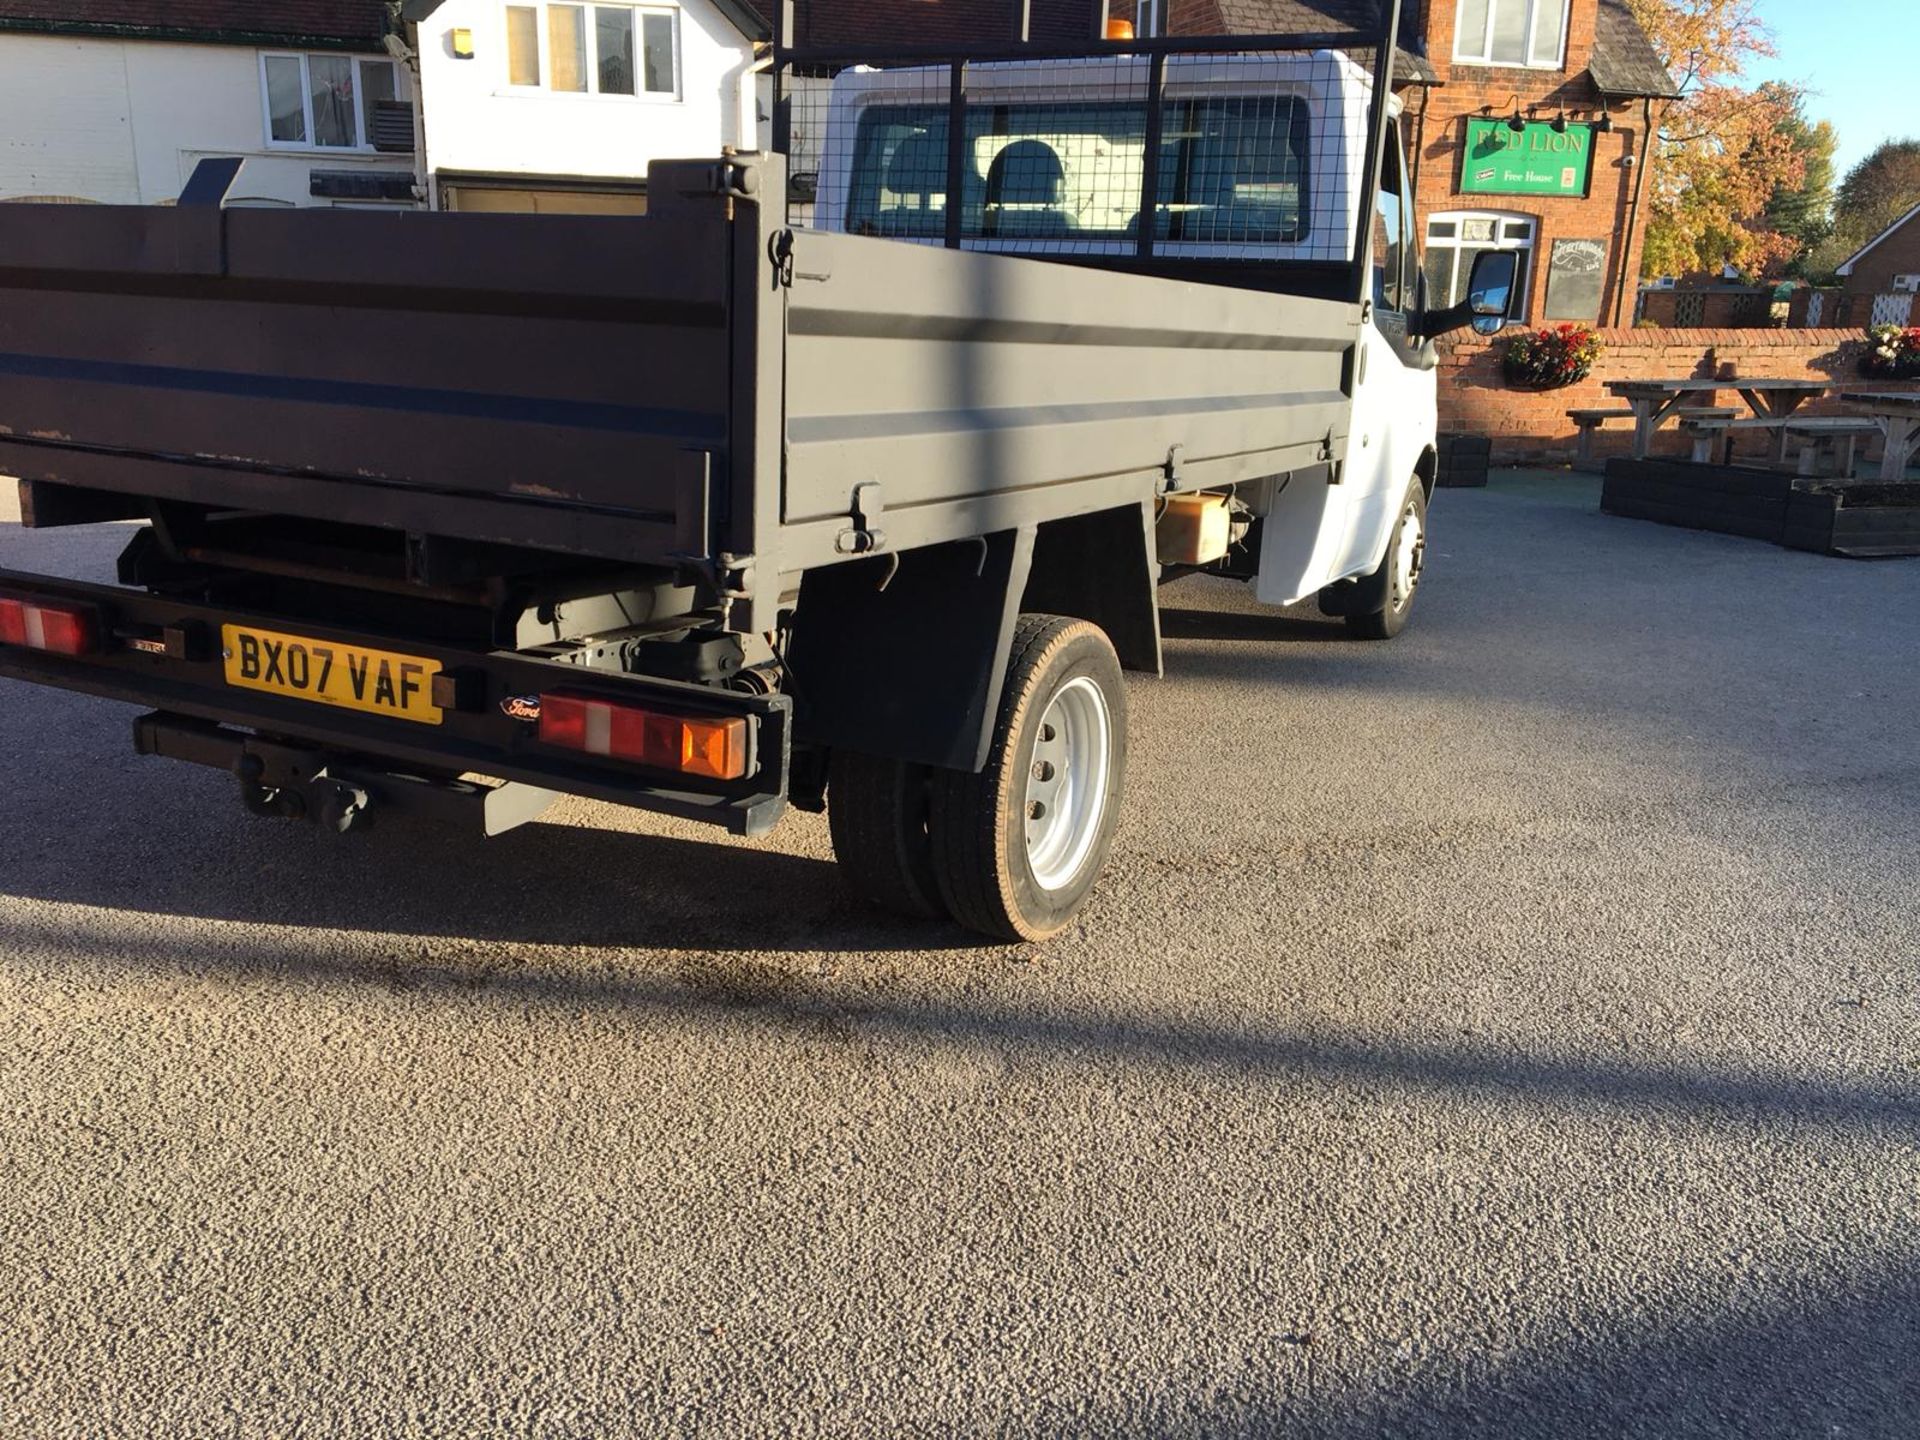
1455	237
1512	32
631	50
324	102
1149	18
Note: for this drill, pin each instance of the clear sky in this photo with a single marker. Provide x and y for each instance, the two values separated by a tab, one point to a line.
1830	46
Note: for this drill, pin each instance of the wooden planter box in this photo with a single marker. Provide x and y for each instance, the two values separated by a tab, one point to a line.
1859	518
1463	461
1832	517
1730	499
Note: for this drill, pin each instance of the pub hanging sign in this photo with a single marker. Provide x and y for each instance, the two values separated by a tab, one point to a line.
1536	161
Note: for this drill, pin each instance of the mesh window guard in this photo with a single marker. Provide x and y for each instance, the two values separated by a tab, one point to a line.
1170	149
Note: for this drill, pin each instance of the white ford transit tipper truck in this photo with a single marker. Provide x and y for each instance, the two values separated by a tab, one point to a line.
711	512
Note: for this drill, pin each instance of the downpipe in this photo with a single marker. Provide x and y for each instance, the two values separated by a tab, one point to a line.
746	102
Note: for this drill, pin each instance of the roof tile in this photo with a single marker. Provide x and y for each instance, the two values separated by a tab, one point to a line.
343	22
1624	61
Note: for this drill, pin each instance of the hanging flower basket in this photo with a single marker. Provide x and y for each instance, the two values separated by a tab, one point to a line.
1547	359
1892	353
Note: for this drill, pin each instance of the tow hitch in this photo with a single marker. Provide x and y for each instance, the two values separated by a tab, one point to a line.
333	803
297	782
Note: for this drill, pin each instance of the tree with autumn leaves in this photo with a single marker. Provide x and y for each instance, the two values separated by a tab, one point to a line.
1740	177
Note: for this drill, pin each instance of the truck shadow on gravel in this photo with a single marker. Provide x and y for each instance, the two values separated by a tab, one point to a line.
543	885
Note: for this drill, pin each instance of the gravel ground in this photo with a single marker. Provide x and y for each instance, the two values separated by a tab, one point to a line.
1508	1031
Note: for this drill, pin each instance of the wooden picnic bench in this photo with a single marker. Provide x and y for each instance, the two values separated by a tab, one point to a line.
1588	421
1706	429
1829	441
1654	402
1896	414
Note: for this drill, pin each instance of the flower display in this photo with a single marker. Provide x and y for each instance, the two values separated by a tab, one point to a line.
1555	356
1893	352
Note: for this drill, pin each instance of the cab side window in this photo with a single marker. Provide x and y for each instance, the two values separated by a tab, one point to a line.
1392	227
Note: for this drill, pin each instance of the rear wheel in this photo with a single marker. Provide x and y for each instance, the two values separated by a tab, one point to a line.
877	815
1017	848
1385	600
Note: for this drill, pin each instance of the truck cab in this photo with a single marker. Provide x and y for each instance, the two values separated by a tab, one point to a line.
1259	165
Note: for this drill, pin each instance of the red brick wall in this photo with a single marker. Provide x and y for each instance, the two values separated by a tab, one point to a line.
1531	427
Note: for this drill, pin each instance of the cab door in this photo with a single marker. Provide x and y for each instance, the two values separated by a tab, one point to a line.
1316	534
1395	398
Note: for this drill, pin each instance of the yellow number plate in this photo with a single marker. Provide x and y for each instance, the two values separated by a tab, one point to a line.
353	677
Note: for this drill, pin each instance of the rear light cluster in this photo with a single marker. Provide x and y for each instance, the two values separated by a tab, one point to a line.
703	745
59	629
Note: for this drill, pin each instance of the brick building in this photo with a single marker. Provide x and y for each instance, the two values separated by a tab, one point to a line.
1879	280
1587	98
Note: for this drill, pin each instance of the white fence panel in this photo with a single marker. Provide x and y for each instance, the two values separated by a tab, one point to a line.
1892	308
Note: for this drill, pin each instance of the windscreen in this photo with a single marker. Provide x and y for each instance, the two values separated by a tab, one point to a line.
1231	169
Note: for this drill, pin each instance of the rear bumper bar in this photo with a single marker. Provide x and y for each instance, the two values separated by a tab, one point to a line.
164	655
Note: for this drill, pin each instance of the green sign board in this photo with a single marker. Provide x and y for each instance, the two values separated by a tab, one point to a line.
1536	161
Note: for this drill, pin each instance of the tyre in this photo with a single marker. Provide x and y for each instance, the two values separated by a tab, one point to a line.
1017	848
877	815
1384	599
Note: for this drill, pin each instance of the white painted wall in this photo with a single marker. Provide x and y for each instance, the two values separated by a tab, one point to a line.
66	124
477	123
123	122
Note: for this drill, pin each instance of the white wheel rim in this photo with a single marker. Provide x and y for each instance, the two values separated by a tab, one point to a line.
1409	554
1067	782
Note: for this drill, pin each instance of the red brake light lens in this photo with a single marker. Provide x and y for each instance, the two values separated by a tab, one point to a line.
58	629
715	748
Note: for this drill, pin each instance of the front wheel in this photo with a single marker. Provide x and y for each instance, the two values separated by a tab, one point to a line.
1389	591
1017	848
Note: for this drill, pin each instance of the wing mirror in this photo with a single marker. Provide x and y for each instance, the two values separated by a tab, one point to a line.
1490	289
1489	299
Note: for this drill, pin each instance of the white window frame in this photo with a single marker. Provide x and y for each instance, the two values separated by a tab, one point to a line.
362	119
1501	241
1482	53
544	34
1149	16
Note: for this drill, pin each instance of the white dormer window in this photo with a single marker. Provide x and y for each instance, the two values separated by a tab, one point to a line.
595	49
324	102
1512	32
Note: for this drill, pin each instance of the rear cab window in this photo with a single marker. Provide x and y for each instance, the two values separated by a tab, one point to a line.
1232	169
